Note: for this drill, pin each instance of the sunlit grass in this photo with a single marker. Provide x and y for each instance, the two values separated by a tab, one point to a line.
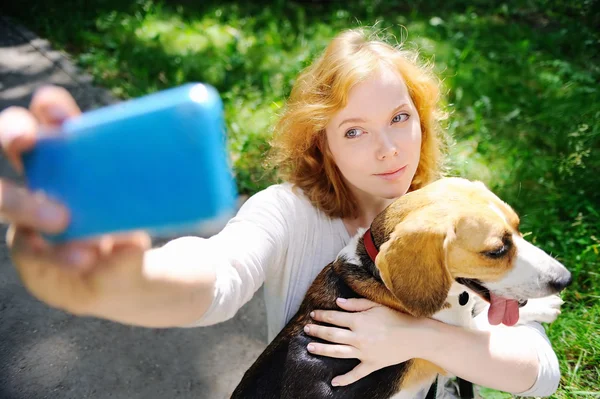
577	334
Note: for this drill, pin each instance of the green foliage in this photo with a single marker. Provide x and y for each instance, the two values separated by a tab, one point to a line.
523	96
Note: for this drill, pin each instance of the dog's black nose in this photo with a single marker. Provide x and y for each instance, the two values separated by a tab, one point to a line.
561	283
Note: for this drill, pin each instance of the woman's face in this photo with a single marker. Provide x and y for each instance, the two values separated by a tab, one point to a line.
375	140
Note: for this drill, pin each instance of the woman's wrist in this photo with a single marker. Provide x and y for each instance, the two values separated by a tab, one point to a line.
151	289
430	339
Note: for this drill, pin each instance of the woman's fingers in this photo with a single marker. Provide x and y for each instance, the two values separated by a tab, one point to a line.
330	334
356	304
358	372
32	210
139	239
83	254
345	318
76	255
342	319
27	244
19	127
18	133
19	238
337	351
51	105
18	130
107	242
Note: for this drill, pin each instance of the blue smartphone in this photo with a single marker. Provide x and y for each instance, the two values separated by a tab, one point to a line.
157	163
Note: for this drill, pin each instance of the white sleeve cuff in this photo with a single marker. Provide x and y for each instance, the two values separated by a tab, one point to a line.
218	310
548	376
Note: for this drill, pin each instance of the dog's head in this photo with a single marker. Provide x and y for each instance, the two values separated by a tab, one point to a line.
457	230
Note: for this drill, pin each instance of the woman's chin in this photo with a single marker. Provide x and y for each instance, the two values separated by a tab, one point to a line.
385	191
393	193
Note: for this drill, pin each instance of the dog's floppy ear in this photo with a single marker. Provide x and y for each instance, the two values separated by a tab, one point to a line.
412	265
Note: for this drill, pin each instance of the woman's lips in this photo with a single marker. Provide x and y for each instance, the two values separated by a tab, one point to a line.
392	175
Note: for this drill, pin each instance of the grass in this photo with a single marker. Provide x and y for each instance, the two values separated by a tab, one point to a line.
522	80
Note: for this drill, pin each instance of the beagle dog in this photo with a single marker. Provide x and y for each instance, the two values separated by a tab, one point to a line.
422	255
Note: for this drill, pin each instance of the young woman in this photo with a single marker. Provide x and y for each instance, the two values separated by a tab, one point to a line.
359	130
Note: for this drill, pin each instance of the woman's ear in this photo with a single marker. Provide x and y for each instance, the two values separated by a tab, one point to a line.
412	264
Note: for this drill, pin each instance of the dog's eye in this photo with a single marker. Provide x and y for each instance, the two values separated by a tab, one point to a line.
497	253
501	250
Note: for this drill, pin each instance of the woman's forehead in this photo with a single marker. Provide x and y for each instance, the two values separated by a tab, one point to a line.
384	91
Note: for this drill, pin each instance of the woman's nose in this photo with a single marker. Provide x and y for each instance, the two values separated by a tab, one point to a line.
387	147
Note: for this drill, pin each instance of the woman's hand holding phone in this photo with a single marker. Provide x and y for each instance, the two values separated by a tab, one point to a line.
100	276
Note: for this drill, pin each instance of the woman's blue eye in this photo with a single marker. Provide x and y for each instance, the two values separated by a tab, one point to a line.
352	133
400	117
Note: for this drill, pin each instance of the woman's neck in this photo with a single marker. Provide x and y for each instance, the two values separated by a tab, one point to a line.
369	207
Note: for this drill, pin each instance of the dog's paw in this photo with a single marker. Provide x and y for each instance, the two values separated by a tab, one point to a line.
543	310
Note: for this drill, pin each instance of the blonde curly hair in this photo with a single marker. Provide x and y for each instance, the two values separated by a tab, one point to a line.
299	149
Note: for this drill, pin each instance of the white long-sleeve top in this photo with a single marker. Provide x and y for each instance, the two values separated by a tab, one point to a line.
280	239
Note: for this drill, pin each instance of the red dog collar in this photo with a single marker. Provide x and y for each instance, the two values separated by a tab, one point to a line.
370	245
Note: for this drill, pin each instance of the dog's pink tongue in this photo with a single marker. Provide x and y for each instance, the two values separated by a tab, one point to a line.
503	310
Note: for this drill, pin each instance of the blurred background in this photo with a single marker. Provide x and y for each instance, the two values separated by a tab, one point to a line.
522	91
